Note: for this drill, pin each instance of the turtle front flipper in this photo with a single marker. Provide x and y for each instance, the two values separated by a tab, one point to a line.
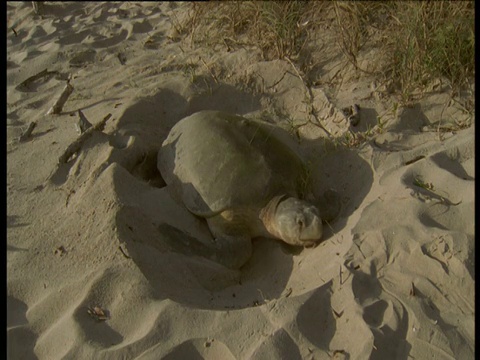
227	250
232	251
232	240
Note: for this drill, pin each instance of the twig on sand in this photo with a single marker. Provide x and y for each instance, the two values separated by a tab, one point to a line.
98	313
74	147
412	290
312	109
278	81
209	70
124	252
38	7
83	122
337	314
298	72
24	84
26	134
58	105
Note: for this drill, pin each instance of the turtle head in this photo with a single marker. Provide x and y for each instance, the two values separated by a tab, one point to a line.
296	222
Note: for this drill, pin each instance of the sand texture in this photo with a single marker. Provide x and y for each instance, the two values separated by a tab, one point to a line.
394	278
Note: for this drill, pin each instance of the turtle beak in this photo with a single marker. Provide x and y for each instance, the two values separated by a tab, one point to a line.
310	244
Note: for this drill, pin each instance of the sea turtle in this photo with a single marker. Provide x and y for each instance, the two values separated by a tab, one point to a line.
245	180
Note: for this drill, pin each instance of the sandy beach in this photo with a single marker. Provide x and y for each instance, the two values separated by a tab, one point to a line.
90	274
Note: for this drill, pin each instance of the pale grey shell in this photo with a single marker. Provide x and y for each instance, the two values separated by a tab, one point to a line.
218	161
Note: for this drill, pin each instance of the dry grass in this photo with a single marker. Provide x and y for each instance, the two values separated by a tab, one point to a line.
275	27
420	41
437	41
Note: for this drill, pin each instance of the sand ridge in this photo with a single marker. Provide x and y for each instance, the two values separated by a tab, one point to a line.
394	277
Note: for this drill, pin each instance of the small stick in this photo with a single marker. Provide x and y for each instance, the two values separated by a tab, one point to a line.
37	6
309	93
77	144
58	106
354	118
31	79
288	292
278	81
123	252
83	123
13	29
337	314
412	290
26	134
211	72
122	58
298	73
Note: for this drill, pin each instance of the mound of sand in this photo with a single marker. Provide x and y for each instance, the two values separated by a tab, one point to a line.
394	278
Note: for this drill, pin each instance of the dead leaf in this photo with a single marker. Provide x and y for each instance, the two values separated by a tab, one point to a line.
98	313
60	251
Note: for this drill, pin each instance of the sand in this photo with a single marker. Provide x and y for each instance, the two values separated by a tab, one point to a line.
394	278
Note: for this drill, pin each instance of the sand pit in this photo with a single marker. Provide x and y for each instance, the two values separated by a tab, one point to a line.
394	278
